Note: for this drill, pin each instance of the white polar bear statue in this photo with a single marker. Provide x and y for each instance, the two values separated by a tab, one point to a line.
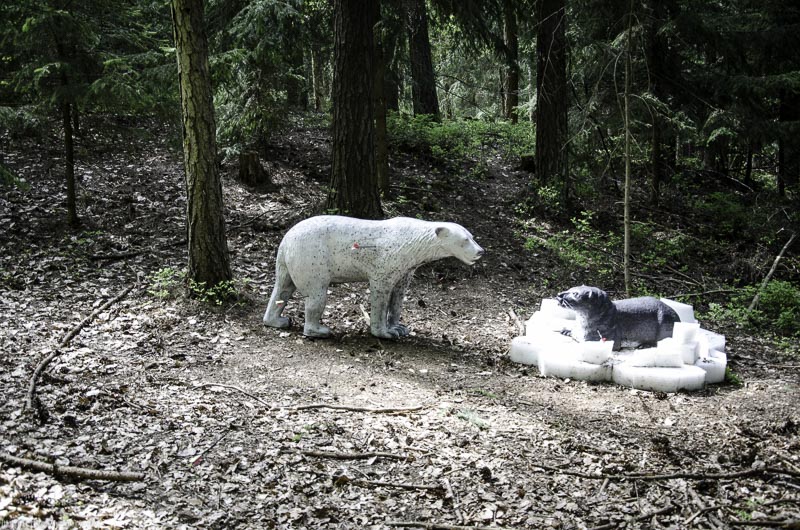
330	249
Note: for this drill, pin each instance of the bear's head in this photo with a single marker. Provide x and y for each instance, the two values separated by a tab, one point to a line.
458	242
584	299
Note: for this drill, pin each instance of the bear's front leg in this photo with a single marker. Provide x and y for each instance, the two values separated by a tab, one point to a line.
379	296
315	306
396	305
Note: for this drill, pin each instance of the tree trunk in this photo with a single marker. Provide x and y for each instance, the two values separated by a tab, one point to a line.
208	247
296	93
664	71
551	87
69	165
251	172
354	185
626	253
381	147
511	83
788	142
423	82
316	73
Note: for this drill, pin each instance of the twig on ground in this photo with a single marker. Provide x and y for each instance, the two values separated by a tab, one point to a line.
30	400
454	500
71	471
231	387
390	410
114	257
768	523
347	456
199	457
517	321
666	509
439	526
684	475
343	479
764	283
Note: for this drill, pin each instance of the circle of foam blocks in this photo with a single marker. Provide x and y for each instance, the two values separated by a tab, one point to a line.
689	360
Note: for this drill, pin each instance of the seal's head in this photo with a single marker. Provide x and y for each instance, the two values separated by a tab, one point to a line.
584	299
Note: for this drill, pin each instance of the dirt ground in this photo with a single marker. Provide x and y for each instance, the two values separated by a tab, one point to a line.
236	426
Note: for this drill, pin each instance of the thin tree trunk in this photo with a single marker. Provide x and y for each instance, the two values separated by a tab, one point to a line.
511	84
354	186
381	147
316	73
788	143
69	165
208	248
423	82
627	199
551	86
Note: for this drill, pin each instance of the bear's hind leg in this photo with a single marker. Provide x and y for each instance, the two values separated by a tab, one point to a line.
281	293
379	298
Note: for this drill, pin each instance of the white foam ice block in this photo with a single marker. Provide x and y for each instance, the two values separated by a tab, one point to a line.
567	365
685	311
715	340
541	322
659	379
671	347
685	332
550	307
714	366
526	349
596	352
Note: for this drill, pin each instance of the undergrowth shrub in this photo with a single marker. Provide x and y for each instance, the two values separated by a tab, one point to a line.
778	309
452	142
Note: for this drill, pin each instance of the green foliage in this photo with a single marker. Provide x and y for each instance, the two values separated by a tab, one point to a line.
584	247
165	283
778	309
216	294
732	377
452	143
10	179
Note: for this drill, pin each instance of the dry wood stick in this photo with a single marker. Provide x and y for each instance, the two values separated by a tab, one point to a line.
231	387
29	402
685	475
764	283
456	506
356	409
71	471
401	485
666	509
349	456
439	526
517	321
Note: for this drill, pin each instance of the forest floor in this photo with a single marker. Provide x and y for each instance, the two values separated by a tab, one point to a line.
233	423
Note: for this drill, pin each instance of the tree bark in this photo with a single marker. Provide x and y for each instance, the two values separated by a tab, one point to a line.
788	143
296	93
381	146
69	165
251	172
354	185
511	83
551	86
661	61
208	248
423	82
317	77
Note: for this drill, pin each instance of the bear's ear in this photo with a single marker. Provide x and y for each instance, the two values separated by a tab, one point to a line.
442	231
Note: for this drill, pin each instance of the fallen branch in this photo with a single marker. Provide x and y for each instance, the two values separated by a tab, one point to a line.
71	471
768	523
348	456
231	387
30	401
764	283
439	526
344	479
454	500
115	257
666	509
683	475
517	321
357	409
